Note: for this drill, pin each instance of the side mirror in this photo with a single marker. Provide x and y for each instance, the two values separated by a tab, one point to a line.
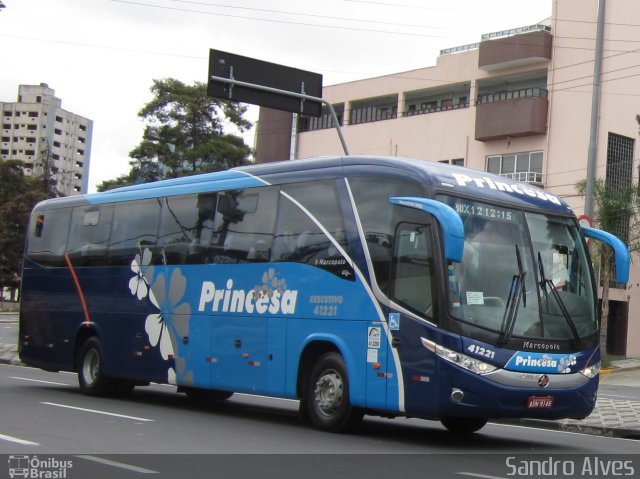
622	256
449	220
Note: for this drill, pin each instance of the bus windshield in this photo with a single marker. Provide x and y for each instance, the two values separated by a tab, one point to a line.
523	275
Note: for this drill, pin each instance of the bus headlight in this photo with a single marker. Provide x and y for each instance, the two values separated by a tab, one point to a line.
591	371
470	364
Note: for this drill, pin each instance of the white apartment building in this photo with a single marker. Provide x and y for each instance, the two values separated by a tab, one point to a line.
517	103
37	131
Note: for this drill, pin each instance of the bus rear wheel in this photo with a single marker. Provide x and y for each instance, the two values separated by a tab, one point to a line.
91	377
326	400
463	425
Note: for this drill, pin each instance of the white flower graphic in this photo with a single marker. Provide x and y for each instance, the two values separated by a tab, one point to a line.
138	284
172	317
270	284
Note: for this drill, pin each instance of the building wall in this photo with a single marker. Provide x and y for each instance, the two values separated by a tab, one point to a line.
36	126
450	134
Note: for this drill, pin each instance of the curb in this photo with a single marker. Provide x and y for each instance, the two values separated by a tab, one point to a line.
618	370
622	433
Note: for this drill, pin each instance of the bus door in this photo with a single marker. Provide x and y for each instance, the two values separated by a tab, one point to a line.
412	291
416	266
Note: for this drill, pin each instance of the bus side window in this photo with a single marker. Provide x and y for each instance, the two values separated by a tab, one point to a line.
134	229
48	238
298	238
89	235
379	218
411	282
186	228
243	226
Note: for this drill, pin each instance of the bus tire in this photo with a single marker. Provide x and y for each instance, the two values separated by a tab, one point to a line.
91	377
327	401
463	425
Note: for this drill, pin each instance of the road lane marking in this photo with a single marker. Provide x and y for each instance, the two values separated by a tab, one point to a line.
120	465
95	411
39	381
18	440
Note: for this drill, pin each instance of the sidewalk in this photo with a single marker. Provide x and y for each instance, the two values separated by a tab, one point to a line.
611	417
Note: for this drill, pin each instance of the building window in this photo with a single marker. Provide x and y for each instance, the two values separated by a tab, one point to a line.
619	175
33	114
83	128
8	113
38	99
58	132
59	119
524	166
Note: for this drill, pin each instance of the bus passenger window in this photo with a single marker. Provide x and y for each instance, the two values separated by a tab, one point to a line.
46	245
298	237
243	226
186	228
89	235
134	229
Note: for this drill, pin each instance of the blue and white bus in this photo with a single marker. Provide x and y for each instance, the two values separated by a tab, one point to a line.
358	285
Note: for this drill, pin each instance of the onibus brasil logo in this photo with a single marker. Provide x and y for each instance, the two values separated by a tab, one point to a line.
38	468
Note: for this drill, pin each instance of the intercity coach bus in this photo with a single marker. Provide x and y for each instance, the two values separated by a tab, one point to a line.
358	285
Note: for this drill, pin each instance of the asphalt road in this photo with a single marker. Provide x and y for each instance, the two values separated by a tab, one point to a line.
158	431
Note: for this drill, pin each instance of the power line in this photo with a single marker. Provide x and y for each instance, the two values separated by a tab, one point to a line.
327	17
287	22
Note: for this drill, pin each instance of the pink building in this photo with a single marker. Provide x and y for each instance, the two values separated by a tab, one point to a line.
518	103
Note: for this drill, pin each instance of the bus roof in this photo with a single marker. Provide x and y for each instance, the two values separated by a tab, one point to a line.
439	177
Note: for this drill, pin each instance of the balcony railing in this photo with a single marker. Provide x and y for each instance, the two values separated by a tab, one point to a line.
324	122
370	114
436	109
513	95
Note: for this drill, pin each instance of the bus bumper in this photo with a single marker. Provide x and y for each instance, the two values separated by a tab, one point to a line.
509	394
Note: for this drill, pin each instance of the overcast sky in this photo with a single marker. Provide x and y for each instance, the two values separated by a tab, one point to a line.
100	56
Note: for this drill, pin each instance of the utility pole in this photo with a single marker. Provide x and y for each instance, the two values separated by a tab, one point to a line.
595	113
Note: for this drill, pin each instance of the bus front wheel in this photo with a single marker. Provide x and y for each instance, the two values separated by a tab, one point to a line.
463	425
327	396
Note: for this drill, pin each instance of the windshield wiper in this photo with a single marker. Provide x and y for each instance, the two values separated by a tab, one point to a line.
544	282
517	292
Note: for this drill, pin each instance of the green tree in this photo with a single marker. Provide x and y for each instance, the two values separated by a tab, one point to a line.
185	134
18	196
615	209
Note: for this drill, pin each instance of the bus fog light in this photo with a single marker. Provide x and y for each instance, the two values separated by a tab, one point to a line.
457	395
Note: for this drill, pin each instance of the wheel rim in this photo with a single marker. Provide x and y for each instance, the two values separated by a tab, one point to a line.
328	392
91	367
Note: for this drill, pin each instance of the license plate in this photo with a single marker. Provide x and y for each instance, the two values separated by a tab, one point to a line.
536	402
